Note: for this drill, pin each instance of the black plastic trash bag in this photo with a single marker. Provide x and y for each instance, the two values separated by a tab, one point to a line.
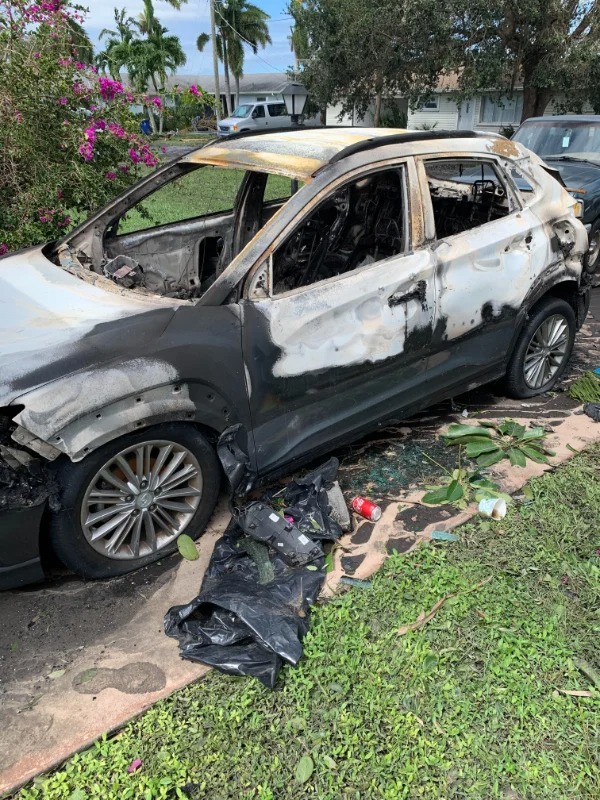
307	502
239	625
253	608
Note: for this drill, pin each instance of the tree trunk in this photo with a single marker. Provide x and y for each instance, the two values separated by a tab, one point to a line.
237	90
151	118
228	108
535	101
377	114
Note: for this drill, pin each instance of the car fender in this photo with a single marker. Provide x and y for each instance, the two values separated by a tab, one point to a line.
80	412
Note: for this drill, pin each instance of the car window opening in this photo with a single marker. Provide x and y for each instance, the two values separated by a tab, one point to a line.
176	240
360	224
464	195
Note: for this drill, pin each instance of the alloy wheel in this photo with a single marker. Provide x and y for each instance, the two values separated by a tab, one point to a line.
546	351
593	251
141	499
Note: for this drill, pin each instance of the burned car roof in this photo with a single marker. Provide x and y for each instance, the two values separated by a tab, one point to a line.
303	152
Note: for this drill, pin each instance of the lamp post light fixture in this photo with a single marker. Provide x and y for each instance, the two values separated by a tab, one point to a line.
295	96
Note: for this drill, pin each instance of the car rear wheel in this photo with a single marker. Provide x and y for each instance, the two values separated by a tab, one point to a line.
542	350
592	257
126	503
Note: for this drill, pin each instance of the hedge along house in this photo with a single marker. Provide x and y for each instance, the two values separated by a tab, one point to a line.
486	111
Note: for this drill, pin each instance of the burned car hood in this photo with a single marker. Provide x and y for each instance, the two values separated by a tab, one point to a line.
53	323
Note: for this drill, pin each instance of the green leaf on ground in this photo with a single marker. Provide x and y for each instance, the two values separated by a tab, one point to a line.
517	458
487	459
187	548
304	769
455	430
474	449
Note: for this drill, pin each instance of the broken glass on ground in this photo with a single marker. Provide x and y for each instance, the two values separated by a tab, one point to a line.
252	611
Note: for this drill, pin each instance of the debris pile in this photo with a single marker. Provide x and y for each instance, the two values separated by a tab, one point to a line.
24	480
266	571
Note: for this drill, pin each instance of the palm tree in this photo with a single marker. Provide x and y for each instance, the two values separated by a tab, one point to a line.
115	54
238	23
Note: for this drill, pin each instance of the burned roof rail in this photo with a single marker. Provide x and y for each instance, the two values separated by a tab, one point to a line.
266	132
401	138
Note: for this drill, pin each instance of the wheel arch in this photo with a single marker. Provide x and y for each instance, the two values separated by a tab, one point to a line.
96	424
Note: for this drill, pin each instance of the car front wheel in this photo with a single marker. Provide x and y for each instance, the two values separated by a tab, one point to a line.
543	349
125	504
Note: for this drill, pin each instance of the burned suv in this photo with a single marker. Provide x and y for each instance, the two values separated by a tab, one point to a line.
303	285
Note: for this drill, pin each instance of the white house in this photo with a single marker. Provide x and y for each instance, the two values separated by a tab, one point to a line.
257	87
487	111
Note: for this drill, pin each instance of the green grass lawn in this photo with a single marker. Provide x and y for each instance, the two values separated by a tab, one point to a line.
467	707
207	190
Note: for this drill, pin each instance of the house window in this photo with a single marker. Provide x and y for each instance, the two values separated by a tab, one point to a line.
433	104
261	99
497	110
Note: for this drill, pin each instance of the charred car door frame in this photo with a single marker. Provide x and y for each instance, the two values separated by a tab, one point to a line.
484	274
313	380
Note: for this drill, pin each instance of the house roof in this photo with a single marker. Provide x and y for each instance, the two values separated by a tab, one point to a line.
255	83
302	152
448	82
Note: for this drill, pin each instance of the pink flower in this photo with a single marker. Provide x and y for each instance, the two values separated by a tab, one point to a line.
194	90
116	130
129	97
90	134
109	88
135	765
163	149
100	125
37	55
134	156
59	194
157	102
79	65
124	167
18	116
62	101
86	151
598	552
3	249
110	175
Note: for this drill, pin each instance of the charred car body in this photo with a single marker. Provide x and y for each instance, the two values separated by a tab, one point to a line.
355	276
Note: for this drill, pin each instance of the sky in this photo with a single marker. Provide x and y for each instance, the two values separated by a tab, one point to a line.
192	19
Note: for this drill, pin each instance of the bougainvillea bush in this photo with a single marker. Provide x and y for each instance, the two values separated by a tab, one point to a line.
68	141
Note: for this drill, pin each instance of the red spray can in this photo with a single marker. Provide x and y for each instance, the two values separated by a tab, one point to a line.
366	508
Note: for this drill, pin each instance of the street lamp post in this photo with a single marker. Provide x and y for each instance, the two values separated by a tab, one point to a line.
295	95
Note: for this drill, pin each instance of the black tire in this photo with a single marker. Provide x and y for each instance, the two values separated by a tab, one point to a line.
592	257
515	383
66	531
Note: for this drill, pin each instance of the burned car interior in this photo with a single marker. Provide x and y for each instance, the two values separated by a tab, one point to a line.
166	244
464	194
362	222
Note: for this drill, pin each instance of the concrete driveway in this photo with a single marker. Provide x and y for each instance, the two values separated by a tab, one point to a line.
80	658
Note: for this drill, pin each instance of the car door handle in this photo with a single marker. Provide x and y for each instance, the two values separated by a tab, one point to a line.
418	293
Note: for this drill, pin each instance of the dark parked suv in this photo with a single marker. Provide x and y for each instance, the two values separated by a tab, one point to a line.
571	144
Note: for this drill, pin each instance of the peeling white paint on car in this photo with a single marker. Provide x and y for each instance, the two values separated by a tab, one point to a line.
349	321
